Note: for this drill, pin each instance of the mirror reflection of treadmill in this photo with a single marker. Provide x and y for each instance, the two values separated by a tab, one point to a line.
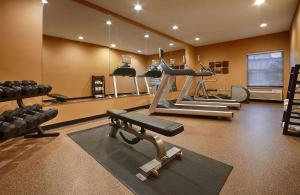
125	70
161	105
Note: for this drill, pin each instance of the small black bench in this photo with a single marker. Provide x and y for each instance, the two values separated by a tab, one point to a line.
161	126
136	124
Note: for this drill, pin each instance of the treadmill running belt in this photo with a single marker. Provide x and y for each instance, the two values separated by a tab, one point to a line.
168	104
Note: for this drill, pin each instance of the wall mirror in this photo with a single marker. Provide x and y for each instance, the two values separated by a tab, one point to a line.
83	48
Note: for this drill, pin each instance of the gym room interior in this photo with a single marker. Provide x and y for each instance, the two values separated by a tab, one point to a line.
149	97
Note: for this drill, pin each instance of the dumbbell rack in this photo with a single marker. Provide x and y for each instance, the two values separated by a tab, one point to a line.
291	113
38	129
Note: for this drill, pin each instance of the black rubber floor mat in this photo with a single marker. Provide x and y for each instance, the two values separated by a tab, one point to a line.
194	174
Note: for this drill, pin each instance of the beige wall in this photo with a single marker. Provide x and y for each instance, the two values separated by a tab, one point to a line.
236	53
68	66
295	38
21	41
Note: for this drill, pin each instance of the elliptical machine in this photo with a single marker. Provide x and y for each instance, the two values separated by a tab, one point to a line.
238	93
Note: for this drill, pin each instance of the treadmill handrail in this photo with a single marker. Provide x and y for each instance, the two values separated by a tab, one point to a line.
171	71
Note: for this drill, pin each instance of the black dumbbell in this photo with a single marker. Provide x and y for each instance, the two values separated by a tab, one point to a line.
19	123
44	89
48	114
18	114
7	130
37	111
9	92
1	93
28	82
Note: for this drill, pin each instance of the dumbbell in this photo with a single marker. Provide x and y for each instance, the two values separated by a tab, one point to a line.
9	92
44	89
7	130
26	89
28	82
19	124
1	93
18	114
36	108
15	85
37	111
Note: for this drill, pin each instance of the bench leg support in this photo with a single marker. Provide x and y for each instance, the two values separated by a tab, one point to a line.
162	156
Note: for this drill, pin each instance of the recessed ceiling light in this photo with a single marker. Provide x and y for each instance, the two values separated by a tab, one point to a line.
171	44
113	45
139	51
44	1
259	2
175	27
197	39
146	36
263	25
80	37
108	22
138	7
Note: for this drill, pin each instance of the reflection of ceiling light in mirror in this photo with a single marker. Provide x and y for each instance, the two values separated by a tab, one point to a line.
146	36
139	51
263	25
259	2
108	22
80	37
197	39
113	45
138	7
171	44
44	1
175	27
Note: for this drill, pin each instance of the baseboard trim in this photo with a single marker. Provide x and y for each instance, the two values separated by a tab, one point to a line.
85	119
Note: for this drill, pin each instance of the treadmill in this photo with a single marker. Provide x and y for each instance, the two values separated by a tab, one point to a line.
184	98
161	105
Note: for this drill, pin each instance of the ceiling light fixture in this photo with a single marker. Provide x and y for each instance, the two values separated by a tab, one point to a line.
259	2
138	7
146	36
44	1
197	39
113	45
80	37
263	25
139	51
175	27
171	44
108	22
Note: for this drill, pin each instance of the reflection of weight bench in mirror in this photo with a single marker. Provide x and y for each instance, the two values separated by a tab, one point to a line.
58	98
125	71
137	124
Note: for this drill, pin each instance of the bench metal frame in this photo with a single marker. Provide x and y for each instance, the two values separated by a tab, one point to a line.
163	156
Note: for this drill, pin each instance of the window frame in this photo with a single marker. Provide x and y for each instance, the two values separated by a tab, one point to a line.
266	52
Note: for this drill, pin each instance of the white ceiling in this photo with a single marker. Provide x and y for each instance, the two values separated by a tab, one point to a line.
212	20
68	19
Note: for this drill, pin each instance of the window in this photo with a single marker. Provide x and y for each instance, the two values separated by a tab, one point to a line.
265	69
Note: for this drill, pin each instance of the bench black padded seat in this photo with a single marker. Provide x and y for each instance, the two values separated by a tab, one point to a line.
161	126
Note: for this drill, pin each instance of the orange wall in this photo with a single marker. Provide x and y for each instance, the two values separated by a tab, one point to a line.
68	66
236	53
21	41
295	38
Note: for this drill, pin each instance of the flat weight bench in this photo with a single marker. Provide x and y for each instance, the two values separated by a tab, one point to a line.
123	120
